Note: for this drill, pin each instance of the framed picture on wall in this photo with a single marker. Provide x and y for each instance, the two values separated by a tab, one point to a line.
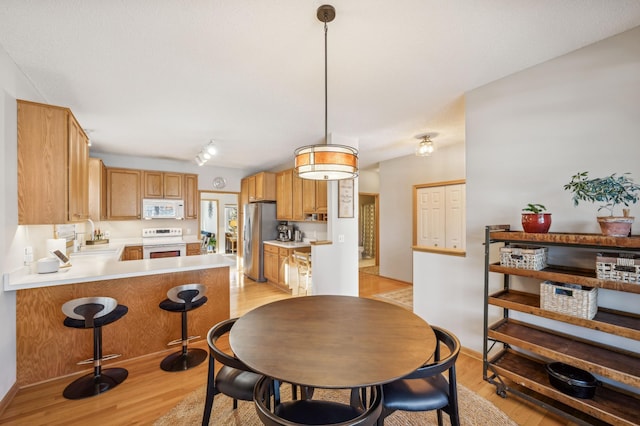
345	198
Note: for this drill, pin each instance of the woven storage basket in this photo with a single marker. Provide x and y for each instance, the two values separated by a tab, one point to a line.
524	257
569	299
623	267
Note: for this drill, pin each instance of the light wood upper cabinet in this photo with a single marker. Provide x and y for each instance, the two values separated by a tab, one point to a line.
53	172
162	185
289	200
314	196
297	211
284	195
124	201
191	197
97	189
262	187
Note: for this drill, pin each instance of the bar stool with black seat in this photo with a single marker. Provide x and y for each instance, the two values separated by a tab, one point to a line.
94	312
184	298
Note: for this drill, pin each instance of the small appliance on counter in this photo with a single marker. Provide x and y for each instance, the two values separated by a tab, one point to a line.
47	265
285	232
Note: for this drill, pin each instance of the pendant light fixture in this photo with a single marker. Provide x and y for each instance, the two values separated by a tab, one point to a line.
326	161
425	147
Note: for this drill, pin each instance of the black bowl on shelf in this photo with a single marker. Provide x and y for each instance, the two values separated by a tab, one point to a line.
571	380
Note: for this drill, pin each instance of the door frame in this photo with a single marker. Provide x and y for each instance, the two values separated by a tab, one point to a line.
376	200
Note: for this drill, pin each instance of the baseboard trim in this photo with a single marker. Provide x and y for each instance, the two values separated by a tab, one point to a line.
471	353
4	403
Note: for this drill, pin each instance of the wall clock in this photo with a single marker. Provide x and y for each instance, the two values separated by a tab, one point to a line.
219	182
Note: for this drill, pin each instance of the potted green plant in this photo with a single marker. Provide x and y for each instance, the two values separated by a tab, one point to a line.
614	190
534	220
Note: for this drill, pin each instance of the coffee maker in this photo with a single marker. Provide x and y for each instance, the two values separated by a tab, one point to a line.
285	232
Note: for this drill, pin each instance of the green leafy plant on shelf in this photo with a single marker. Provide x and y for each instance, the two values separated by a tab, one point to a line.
612	191
534	208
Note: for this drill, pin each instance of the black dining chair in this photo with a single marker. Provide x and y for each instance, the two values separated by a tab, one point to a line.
272	411
427	389
234	379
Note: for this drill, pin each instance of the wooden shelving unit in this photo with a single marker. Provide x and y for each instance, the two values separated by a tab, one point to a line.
519	366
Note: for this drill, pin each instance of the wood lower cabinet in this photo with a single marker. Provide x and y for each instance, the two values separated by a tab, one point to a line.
194	249
124	201
191	196
517	347
162	185
132	253
277	265
271	263
53	165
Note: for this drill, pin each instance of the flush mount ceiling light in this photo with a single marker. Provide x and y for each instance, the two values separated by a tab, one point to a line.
426	146
326	161
207	152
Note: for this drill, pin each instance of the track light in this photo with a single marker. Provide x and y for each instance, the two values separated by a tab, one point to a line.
206	153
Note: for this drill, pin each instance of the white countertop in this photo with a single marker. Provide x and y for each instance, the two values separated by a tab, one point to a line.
287	244
104	265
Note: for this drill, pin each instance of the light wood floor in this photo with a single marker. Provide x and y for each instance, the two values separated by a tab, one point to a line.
150	392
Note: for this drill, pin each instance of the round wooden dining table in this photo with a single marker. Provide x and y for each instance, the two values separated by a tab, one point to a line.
333	342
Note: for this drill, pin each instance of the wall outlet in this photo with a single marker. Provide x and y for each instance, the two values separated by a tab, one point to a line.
341	238
107	234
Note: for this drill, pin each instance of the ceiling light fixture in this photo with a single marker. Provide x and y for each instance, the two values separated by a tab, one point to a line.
207	152
426	147
326	161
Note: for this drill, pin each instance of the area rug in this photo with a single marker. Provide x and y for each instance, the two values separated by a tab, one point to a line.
473	409
402	297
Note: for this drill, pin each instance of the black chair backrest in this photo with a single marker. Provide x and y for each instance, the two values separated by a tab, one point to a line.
439	365
315	409
219	355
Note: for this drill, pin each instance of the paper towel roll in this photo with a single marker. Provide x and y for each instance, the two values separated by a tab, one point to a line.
54	244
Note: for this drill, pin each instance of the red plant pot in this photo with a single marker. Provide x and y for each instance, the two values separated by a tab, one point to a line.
536	223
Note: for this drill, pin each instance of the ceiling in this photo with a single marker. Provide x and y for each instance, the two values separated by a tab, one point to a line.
161	78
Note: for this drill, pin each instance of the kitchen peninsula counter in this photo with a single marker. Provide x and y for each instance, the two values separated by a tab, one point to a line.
46	349
288	244
98	267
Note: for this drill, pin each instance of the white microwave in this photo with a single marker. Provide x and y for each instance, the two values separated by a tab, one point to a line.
162	209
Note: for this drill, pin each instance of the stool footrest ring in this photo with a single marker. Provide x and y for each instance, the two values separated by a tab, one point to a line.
179	341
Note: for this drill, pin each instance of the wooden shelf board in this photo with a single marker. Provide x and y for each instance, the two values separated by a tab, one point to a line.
606	320
621	366
560	238
608	404
586	277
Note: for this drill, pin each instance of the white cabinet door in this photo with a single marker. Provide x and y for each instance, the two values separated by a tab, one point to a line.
455	216
431	216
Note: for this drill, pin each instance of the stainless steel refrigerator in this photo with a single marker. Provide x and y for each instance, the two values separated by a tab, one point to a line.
260	225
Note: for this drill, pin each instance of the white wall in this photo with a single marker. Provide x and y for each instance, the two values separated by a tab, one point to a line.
397	178
526	134
335	266
13	85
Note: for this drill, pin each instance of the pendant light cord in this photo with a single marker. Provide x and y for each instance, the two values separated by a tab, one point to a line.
326	142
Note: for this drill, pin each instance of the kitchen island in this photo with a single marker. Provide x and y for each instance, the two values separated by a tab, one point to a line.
46	349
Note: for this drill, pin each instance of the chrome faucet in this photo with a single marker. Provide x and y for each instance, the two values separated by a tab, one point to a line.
93	229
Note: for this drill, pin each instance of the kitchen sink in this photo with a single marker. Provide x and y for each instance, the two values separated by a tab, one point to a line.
95	251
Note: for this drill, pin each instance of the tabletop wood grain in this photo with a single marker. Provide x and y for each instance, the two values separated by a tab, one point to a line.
332	341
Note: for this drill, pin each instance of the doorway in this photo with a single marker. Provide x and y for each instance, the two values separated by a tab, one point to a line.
368	230
218	218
